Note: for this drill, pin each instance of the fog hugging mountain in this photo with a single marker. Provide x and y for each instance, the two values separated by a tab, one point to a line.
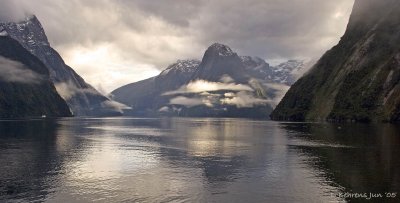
222	84
82	99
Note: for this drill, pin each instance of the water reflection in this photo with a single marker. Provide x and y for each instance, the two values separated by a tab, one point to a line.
207	160
24	146
369	165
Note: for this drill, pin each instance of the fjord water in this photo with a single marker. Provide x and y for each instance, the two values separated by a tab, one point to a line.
196	160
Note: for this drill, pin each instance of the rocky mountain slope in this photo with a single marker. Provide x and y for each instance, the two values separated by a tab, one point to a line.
358	79
25	86
82	98
221	84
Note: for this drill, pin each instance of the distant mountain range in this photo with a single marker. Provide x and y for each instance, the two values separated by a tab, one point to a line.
358	79
82	98
222	84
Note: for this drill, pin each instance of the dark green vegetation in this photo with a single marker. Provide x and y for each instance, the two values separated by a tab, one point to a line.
358	79
33	97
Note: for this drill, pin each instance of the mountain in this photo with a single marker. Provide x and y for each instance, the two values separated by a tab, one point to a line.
221	84
145	97
287	72
220	60
358	79
25	86
82	98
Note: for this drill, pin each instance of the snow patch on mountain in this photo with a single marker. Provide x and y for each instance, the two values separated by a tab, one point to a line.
284	73
30	32
182	66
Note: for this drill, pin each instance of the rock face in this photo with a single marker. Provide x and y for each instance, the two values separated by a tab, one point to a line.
220	60
358	79
145	97
82	98
25	86
221	84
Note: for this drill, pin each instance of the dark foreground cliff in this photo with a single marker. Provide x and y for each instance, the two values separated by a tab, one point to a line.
358	79
25	86
81	97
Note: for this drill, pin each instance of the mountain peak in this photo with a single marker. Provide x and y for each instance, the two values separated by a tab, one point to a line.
29	31
221	49
187	66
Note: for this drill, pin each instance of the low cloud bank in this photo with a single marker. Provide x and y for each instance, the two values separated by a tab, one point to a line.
202	92
115	105
14	71
67	90
243	100
190	102
199	86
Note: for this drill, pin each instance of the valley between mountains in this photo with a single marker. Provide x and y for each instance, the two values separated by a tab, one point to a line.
357	80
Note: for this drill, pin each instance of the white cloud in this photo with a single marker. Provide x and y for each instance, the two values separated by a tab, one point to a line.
164	109
115	105
68	89
227	79
103	67
14	71
188	102
199	86
243	100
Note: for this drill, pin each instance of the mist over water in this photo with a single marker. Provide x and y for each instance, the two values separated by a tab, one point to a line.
190	160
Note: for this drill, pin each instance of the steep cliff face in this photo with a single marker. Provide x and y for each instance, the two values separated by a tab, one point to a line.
358	79
220	60
81	97
25	86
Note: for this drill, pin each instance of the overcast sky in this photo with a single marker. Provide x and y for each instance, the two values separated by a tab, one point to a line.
114	42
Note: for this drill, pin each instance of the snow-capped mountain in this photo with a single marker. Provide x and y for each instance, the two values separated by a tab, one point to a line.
182	67
287	72
81	97
221	84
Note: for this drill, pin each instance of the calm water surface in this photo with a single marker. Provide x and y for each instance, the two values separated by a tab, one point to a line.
196	160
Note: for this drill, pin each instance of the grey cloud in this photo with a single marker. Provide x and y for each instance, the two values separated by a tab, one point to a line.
11	10
158	33
14	71
177	12
285	28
